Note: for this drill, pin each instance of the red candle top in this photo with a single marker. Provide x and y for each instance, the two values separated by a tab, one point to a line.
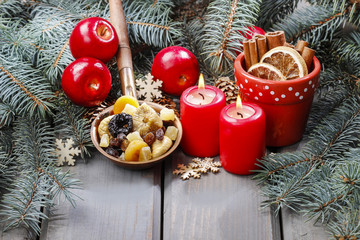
240	111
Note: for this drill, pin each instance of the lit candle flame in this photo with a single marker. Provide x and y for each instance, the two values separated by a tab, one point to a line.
201	82
238	102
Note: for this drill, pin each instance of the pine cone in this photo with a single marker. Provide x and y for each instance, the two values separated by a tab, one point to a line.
167	102
93	112
230	89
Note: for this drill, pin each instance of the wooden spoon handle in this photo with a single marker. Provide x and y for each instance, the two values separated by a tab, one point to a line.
123	56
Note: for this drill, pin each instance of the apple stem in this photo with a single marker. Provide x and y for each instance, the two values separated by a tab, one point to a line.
103	32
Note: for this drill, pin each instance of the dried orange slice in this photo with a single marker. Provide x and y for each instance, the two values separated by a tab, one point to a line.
287	60
266	71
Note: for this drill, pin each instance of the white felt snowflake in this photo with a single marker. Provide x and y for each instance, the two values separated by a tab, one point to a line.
148	88
66	152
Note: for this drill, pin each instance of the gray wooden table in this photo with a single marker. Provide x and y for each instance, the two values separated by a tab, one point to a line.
155	204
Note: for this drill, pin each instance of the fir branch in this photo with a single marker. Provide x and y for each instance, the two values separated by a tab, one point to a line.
54	59
21	207
315	23
221	36
337	188
17	42
50	25
7	167
7	114
348	49
267	15
24	88
335	133
11	9
347	223
62	183
151	23
328	142
287	190
69	122
191	40
39	181
68	9
143	62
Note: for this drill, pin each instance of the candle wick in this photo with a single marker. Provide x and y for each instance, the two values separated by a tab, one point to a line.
202	96
240	114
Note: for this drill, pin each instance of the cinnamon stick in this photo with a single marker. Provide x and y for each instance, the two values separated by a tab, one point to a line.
300	45
253	52
275	39
247	54
289	45
261	45
308	55
282	37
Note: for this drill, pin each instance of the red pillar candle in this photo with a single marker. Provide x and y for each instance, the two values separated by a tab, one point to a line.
242	137
200	108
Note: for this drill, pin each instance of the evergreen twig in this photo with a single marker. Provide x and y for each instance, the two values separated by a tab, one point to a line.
220	38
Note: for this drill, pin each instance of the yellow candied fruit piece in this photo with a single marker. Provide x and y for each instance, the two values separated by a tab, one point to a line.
145	154
171	132
167	114
160	147
104	141
129	109
103	127
134	136
132	152
122	101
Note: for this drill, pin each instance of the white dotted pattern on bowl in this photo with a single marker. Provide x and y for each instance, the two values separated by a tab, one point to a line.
283	96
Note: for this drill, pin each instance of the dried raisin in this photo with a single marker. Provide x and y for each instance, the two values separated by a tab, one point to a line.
121	136
149	138
113	152
115	142
159	134
124	144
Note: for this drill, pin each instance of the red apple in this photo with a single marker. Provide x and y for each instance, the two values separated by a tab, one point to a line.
94	37
86	81
253	30
177	68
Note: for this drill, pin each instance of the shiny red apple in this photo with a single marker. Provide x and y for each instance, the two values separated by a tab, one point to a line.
86	81
94	37
177	68
252	31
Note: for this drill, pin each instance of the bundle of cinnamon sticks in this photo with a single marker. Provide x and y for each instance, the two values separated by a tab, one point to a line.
256	47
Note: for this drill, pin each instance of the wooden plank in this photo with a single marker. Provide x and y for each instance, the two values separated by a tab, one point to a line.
296	226
117	204
14	234
217	206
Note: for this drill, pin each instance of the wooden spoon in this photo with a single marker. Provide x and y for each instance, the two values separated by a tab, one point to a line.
123	56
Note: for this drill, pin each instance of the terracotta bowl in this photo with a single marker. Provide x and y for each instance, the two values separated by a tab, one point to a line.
286	103
127	164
